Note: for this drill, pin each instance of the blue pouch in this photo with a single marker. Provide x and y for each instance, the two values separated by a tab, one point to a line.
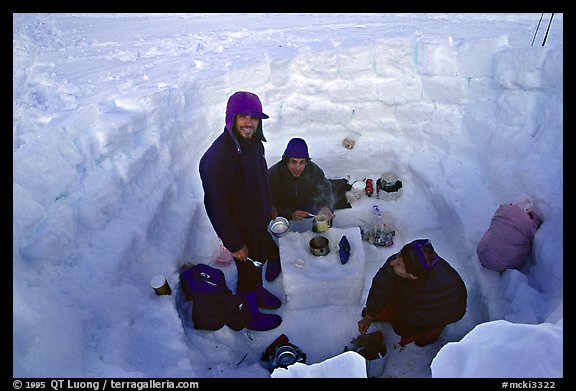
344	249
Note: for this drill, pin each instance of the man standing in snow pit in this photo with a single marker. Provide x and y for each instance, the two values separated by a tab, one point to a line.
418	292
238	202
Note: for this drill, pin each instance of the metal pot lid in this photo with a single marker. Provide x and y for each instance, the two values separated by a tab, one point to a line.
390	178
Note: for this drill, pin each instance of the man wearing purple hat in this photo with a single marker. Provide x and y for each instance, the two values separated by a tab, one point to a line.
299	189
238	202
299	186
417	292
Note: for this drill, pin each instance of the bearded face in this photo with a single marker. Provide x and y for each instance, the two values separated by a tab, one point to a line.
246	125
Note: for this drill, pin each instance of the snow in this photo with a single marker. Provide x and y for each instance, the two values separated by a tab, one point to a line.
111	113
322	280
348	364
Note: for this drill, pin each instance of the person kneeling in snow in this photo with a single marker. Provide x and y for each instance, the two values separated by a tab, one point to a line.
418	292
507	244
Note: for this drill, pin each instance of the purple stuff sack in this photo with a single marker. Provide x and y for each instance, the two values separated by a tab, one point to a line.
213	303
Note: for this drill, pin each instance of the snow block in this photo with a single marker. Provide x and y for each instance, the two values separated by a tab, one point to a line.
356	59
436	56
394	57
476	55
450	90
520	68
323	280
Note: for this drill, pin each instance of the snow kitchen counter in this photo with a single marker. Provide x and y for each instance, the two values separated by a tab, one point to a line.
321	280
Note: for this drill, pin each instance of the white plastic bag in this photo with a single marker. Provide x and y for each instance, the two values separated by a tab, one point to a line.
221	253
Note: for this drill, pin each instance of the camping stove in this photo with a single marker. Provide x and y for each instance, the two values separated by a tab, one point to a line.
384	236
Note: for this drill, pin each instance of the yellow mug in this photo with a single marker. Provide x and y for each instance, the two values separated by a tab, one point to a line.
321	222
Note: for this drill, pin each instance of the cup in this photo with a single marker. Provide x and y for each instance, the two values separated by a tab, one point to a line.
160	285
321	221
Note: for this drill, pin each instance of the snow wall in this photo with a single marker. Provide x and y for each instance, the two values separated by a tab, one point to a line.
406	90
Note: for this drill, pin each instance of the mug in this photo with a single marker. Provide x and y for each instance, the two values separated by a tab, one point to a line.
321	223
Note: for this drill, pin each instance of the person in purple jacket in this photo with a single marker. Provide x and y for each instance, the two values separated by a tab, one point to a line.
507	244
238	202
417	292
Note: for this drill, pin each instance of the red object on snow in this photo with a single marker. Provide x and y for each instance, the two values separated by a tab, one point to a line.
369	187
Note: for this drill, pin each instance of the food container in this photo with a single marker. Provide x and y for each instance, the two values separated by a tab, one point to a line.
356	192
279	226
160	285
319	246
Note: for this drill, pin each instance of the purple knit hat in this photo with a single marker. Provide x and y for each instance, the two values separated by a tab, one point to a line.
419	256
247	103
296	149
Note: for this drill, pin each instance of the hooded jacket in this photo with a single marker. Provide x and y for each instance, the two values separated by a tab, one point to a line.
437	299
507	243
234	177
310	191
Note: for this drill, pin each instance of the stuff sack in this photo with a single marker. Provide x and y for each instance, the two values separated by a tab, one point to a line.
339	189
373	348
508	241
213	304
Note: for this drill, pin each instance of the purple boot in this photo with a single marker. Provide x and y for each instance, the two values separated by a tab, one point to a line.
265	299
259	321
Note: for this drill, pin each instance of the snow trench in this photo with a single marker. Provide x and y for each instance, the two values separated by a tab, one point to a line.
422	109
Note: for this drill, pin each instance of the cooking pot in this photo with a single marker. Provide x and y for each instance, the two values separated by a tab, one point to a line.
389	182
319	246
279	226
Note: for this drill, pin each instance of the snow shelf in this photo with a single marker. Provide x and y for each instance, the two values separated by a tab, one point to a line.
321	280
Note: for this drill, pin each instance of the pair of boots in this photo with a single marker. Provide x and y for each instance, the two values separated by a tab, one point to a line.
262	298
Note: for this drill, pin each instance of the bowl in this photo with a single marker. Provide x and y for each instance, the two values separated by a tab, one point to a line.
279	226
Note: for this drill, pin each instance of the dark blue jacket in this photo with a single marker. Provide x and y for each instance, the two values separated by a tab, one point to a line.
436	299
237	194
310	192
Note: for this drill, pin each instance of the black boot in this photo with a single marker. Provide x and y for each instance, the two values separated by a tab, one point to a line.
273	268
